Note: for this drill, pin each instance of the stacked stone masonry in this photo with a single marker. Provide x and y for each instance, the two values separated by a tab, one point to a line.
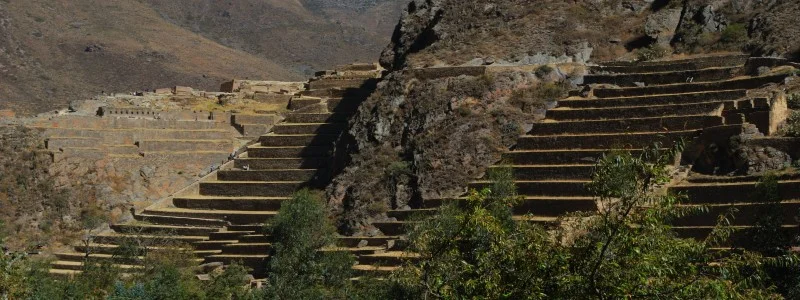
222	220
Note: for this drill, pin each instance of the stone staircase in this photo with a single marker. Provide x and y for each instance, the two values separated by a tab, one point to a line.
628	106
223	220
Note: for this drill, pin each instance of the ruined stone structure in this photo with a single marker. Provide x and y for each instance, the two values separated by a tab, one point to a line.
222	216
624	106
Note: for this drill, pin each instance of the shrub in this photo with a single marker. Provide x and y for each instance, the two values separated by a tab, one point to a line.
792	127
298	269
793	101
652	52
734	36
535	97
476	250
543	71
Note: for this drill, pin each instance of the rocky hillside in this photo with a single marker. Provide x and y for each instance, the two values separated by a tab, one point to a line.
450	32
52	52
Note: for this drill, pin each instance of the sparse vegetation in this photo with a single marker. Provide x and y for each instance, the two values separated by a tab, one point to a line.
793	101
534	97
792	127
734	36
652	52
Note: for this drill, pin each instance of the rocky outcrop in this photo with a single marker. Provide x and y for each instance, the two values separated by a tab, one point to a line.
427	138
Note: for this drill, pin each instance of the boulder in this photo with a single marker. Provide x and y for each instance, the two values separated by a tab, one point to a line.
661	26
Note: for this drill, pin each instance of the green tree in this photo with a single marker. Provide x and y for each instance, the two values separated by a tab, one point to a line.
476	250
303	265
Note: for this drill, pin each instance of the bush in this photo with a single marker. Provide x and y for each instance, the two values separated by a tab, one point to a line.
535	97
299	268
734	36
652	52
543	71
792	127
627	250
793	101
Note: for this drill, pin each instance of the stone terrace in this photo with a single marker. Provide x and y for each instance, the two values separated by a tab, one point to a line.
221	218
630	106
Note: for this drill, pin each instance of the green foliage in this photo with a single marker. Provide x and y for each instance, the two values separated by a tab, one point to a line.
792	127
475	250
543	71
535	97
734	36
793	101
302	266
652	52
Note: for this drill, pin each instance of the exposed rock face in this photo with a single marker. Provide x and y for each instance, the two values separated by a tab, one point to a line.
661	25
427	139
735	155
451	32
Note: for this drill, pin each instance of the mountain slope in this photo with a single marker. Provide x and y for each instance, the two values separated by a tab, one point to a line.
55	51
305	35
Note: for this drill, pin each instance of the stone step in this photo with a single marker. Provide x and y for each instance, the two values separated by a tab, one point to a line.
318	118
256	238
675	123
310	128
81	257
288	152
389	258
549	188
254	130
374	271
543	206
163	229
230	203
554	206
78	266
558	156
668	77
615	113
283	140
250	188
411	214
742	83
258	263
232	216
366	241
184	145
228	235
282	163
321	84
177	220
262	119
154	240
698	178
245	227
345	105
247	248
697	97
301	103
55	143
128	136
551	172
741	236
316	175
726	60
745	214
212	245
65	274
115	250
362	92
601	141
737	192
